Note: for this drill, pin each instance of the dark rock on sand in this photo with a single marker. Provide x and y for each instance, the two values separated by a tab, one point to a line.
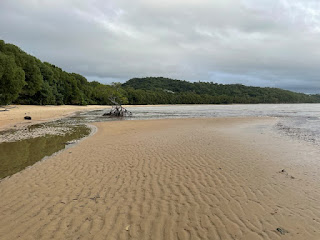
282	231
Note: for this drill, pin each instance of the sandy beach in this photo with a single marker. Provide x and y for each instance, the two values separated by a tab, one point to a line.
226	178
16	114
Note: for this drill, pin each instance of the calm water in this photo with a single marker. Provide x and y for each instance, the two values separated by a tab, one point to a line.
297	120
16	156
300	121
195	111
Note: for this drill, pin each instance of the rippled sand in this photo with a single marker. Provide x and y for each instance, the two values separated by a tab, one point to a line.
16	113
169	179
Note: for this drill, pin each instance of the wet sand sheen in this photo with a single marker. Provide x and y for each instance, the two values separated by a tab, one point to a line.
163	179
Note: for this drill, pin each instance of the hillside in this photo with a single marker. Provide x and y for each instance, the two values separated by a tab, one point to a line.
158	90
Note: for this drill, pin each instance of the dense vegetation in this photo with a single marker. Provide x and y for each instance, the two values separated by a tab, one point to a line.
24	79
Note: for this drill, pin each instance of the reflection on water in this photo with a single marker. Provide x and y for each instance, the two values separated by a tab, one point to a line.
16	156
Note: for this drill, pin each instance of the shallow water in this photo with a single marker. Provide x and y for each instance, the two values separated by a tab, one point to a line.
16	156
300	121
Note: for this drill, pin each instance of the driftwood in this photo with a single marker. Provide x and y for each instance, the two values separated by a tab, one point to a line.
118	111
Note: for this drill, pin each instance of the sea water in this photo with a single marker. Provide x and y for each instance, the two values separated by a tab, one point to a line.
297	120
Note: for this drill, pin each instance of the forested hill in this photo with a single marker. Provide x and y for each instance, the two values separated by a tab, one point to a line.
158	90
24	79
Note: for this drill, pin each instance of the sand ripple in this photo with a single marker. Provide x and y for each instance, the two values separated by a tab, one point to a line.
164	179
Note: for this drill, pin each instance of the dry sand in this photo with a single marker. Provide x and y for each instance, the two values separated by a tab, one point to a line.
16	113
168	179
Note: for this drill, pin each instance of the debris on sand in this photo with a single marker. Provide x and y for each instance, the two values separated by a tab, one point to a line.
283	171
282	231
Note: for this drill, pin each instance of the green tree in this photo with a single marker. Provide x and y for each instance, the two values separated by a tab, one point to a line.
11	79
33	77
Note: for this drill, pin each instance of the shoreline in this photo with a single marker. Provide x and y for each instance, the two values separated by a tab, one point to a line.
217	178
40	114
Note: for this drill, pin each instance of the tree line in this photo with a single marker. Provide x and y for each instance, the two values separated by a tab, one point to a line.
24	79
159	90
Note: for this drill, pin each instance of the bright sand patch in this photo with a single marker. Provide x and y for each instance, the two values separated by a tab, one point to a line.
39	113
168	179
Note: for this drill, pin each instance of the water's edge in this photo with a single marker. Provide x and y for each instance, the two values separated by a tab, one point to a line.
299	121
25	146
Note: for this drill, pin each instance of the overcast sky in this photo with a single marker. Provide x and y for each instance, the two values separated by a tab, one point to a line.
273	43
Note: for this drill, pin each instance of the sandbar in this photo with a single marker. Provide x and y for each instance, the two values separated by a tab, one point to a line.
169	179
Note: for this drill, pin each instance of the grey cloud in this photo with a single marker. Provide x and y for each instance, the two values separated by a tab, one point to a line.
266	43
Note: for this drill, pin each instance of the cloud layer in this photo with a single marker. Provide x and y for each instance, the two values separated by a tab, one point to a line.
272	43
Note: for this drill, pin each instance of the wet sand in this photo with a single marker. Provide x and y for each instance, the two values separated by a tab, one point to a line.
16	114
169	179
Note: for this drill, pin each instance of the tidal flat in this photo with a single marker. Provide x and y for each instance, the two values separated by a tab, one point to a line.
218	178
196	177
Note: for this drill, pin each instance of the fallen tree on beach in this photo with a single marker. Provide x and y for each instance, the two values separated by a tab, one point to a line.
117	110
